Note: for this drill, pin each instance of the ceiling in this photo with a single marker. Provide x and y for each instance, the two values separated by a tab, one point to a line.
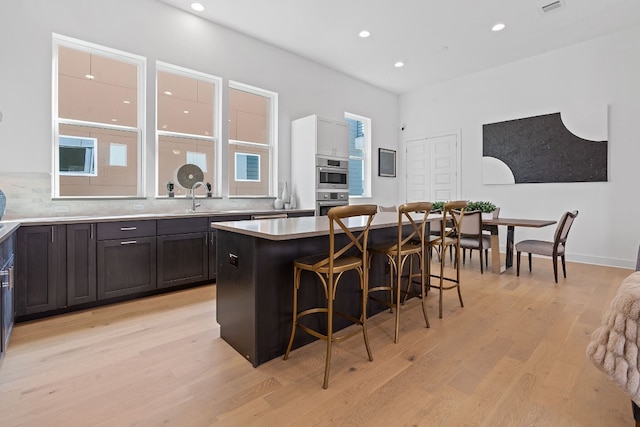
437	40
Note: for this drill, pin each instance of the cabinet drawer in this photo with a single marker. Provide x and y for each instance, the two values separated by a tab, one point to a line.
126	229
182	225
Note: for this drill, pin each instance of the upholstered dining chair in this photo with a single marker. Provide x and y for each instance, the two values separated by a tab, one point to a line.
472	237
330	268
410	244
449	237
553	249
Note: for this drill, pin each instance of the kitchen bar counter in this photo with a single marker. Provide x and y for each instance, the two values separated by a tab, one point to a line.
304	227
254	292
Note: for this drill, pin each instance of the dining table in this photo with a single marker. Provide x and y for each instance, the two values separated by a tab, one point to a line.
511	223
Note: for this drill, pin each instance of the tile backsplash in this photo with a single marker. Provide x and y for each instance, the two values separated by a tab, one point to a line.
29	196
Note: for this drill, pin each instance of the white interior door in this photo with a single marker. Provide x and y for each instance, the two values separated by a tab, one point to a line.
432	167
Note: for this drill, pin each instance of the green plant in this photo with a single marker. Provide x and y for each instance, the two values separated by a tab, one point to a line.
485	207
437	206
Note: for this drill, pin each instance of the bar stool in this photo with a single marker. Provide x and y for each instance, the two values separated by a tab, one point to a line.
408	246
452	215
329	268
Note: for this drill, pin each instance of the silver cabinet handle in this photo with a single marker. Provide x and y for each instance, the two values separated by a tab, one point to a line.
128	228
11	278
4	274
129	242
269	216
90	231
53	234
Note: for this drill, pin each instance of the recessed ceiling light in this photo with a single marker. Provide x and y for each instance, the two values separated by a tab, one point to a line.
399	64
186	111
364	34
198	7
90	76
498	27
114	120
126	102
166	92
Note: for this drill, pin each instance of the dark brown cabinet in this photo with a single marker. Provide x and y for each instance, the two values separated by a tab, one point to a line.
126	258
69	266
81	263
212	254
213	233
183	251
41	269
7	310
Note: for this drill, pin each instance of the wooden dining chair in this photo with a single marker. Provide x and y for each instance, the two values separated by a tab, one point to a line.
553	249
410	244
452	216
472	237
330	268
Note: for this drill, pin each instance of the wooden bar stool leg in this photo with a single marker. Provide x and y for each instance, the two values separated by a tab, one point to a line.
441	282
327	364
364	281
423	294
399	266
458	278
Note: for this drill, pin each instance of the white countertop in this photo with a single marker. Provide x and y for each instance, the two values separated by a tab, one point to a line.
297	228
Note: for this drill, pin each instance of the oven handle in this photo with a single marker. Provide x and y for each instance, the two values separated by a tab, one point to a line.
332	169
332	203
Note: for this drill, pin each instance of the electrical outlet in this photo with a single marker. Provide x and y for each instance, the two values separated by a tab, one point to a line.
233	260
62	208
138	206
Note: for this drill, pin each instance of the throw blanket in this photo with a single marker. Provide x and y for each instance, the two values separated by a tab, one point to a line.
614	345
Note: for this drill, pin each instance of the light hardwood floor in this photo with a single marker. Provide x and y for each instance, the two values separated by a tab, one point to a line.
513	356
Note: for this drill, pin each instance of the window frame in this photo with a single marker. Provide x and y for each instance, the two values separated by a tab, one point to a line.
94	156
366	158
59	40
215	137
273	138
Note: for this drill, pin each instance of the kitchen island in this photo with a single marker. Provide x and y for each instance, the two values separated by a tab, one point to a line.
255	279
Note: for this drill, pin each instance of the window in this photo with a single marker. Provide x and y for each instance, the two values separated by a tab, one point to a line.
359	155
252	141
188	126
98	96
247	167
77	156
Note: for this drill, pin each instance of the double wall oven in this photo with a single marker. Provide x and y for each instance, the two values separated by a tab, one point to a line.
332	184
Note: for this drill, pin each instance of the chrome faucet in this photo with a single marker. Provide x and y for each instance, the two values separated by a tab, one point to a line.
194	205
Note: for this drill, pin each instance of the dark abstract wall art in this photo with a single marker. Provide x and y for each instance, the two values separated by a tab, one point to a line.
541	149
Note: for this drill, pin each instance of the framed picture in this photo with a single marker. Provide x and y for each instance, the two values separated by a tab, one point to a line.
386	162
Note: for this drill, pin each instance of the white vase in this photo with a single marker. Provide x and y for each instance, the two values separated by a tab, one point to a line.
293	203
286	196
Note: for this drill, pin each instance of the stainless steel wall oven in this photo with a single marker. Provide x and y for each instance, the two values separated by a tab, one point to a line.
332	174
326	200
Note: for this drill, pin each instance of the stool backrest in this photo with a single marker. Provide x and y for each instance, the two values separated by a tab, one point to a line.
358	239
416	213
452	215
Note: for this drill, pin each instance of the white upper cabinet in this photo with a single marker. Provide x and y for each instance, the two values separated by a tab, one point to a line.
315	135
332	137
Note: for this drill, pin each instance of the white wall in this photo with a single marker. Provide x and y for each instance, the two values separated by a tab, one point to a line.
601	72
158	32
